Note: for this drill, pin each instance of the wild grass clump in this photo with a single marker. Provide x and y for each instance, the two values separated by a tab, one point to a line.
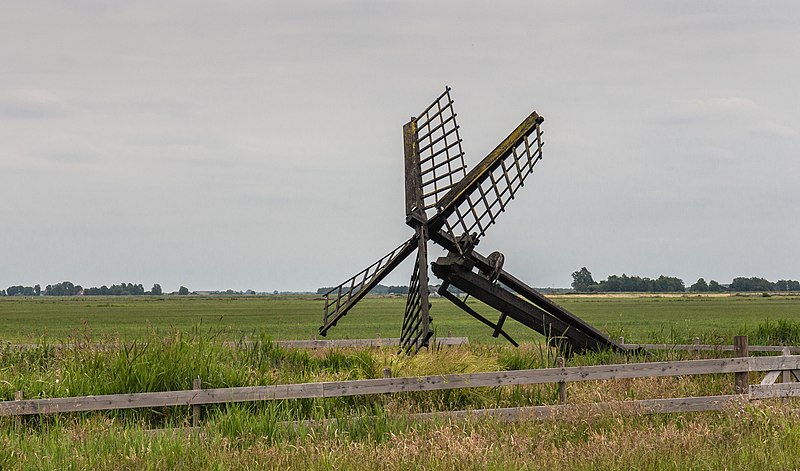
780	332
678	335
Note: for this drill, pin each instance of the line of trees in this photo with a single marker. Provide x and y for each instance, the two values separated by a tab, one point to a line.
761	284
67	288
700	286
583	282
22	291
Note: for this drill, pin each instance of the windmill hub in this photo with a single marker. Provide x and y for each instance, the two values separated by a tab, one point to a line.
444	199
495	260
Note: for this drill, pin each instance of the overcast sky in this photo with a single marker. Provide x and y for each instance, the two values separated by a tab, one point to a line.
258	145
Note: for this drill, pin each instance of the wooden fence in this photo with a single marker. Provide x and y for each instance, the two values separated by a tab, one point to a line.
786	368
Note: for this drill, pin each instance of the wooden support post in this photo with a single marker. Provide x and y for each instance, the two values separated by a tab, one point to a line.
622	341
387	373
18	397
787	374
741	350
562	385
197	384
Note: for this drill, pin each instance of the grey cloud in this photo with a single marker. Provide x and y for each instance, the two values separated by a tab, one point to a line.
31	103
693	110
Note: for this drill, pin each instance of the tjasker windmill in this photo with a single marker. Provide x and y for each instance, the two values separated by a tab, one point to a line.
453	208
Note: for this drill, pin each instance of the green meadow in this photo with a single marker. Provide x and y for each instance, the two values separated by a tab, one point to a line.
169	341
636	317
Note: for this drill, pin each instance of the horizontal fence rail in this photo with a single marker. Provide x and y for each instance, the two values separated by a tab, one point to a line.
583	410
422	383
300	344
710	348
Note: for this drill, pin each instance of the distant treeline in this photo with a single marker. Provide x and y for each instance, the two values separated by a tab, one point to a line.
760	284
583	282
67	288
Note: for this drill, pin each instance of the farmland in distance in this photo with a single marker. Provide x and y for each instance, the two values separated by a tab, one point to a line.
639	318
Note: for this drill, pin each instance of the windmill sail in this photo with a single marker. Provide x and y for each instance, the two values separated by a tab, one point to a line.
438	158
340	299
478	199
416	330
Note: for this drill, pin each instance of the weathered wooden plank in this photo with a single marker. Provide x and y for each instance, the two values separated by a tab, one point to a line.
787	375
770	377
92	403
258	393
741	349
635	407
554	375
711	348
758	391
160	399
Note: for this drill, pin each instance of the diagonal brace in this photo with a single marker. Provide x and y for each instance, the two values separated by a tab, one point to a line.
498	328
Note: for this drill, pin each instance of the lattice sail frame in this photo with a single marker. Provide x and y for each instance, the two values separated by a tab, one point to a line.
416	330
477	200
479	209
340	299
441	157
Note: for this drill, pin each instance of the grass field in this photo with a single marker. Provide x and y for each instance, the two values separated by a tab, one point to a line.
637	318
171	340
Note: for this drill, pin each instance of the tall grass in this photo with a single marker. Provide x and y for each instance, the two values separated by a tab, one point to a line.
779	332
766	436
166	362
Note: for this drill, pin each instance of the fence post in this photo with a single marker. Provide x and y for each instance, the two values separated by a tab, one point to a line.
562	385
622	341
197	384
387	372
741	350
787	374
18	419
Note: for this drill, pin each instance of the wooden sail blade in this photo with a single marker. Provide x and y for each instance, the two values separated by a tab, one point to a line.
340	299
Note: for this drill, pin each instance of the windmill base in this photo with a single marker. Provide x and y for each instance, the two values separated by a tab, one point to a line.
525	305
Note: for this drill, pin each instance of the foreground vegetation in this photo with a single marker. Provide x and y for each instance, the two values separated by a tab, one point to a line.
766	437
322	433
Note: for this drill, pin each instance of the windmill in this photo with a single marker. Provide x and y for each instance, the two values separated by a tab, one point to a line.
452	208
